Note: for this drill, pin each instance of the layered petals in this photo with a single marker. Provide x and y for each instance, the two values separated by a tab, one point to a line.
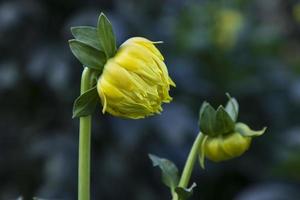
135	82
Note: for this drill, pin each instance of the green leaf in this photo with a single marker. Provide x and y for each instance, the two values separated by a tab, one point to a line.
106	36
246	131
87	55
86	103
87	35
223	122
169	171
207	119
232	107
185	193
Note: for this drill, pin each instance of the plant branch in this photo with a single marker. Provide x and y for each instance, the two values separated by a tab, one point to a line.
84	143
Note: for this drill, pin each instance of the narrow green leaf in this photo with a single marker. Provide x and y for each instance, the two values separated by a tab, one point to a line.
87	35
185	193
169	171
207	119
87	55
85	104
223	122
106	36
232	107
246	131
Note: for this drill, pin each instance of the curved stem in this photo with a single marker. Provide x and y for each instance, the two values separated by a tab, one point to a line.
190	162
84	144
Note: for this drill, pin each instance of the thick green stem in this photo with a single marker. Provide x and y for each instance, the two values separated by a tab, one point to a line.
84	144
189	165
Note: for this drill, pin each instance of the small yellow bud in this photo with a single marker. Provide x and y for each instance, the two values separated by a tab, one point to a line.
226	147
228	26
296	12
135	82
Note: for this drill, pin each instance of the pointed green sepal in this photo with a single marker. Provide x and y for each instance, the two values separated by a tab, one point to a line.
87	55
214	122
244	130
207	117
106	36
232	107
202	108
201	155
86	103
223	122
87	35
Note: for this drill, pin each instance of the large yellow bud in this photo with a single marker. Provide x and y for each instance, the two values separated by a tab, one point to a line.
135	82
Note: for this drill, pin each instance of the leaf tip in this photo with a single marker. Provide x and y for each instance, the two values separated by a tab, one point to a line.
228	95
150	155
71	41
72	29
74	116
102	16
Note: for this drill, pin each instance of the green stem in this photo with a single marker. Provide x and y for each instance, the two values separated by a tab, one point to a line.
189	165
84	144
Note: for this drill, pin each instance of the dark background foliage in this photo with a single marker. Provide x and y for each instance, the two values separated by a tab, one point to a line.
247	48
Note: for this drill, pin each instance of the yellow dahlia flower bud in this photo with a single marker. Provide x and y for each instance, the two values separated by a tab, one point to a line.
226	147
135	82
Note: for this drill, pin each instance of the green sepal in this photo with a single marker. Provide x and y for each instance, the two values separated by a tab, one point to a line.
244	130
106	36
223	122
169	171
207	119
185	193
87	35
201	155
87	55
214	122
86	103
232	107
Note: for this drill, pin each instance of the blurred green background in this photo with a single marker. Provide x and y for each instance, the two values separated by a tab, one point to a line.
248	48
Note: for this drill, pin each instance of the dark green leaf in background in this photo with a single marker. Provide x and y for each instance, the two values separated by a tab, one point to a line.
106	36
87	55
87	35
86	103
